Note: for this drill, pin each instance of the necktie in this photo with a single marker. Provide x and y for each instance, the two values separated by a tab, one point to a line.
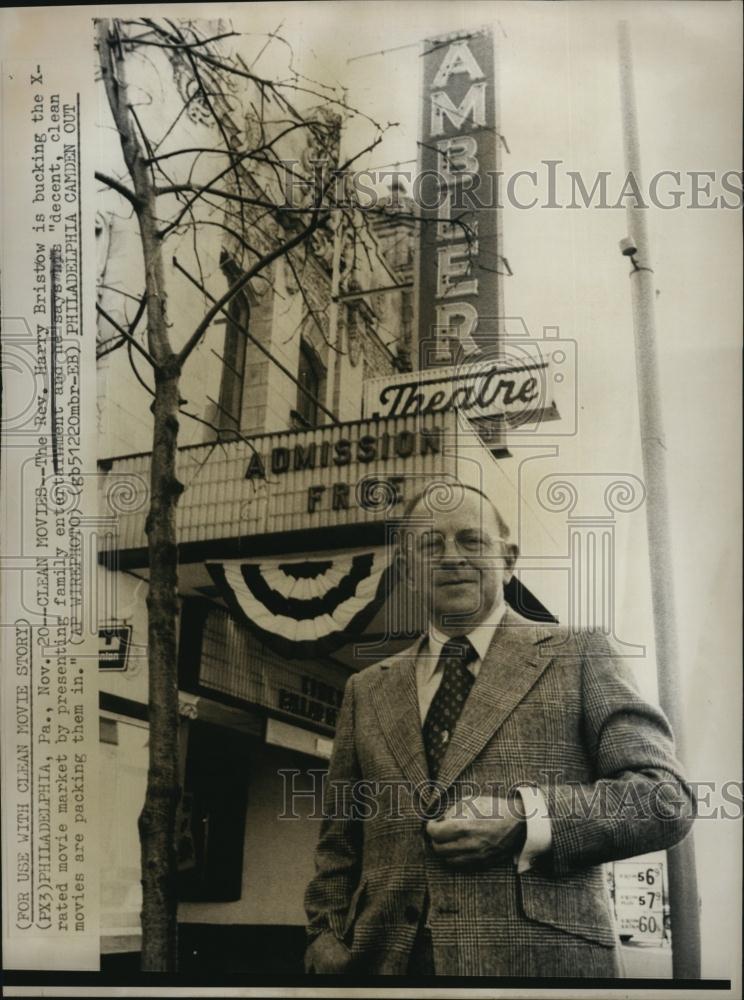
447	703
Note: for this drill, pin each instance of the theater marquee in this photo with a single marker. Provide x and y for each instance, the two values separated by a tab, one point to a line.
342	474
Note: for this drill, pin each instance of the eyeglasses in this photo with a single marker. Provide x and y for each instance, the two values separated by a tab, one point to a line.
469	542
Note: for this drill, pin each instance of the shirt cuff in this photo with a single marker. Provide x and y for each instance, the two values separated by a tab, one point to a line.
539	837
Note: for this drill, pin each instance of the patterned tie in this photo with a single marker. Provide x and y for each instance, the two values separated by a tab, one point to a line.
447	703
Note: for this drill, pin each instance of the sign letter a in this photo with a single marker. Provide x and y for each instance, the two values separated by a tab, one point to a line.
459	59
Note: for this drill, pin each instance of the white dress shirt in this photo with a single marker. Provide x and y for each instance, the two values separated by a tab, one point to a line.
429	677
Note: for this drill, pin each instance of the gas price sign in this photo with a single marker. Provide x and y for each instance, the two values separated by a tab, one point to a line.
639	900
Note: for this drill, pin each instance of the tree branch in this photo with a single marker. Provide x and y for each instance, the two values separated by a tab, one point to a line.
108	346
278	251
120	188
221	307
233	290
127	336
140	40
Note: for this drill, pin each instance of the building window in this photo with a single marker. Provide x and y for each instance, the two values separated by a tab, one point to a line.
310	378
233	368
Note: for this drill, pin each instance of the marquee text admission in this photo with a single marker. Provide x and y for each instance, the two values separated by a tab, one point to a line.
345	451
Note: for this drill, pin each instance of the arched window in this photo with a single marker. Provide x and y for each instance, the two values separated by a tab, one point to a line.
233	367
310	376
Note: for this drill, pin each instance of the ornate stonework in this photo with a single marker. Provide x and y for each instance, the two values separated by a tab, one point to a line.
361	327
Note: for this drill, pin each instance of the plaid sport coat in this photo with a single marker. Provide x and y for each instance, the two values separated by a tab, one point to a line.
549	708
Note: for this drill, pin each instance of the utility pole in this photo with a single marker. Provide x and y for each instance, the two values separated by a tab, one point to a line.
683	892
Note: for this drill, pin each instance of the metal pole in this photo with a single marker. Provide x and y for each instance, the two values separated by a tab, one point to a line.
683	893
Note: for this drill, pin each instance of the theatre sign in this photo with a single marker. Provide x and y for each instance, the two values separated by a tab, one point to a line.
515	392
460	260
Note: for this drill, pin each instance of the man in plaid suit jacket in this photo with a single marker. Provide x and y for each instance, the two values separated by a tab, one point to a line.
554	766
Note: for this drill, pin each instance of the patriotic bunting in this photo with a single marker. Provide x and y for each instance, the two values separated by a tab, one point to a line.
308	607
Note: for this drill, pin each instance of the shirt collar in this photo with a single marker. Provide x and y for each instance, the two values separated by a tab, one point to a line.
480	638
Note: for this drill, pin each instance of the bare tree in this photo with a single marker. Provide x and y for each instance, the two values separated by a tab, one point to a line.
236	181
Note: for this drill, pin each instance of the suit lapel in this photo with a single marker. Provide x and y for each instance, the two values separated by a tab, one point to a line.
512	665
395	698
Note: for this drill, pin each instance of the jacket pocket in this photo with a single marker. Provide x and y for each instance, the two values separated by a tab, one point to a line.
351	915
578	905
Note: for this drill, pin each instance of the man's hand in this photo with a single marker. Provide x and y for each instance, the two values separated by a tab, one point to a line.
477	832
326	955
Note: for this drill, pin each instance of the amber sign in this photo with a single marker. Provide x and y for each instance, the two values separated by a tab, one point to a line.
459	282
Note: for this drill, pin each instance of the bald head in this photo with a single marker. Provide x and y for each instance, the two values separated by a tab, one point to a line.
441	496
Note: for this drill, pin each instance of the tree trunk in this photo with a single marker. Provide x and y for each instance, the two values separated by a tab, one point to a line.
157	821
158	818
